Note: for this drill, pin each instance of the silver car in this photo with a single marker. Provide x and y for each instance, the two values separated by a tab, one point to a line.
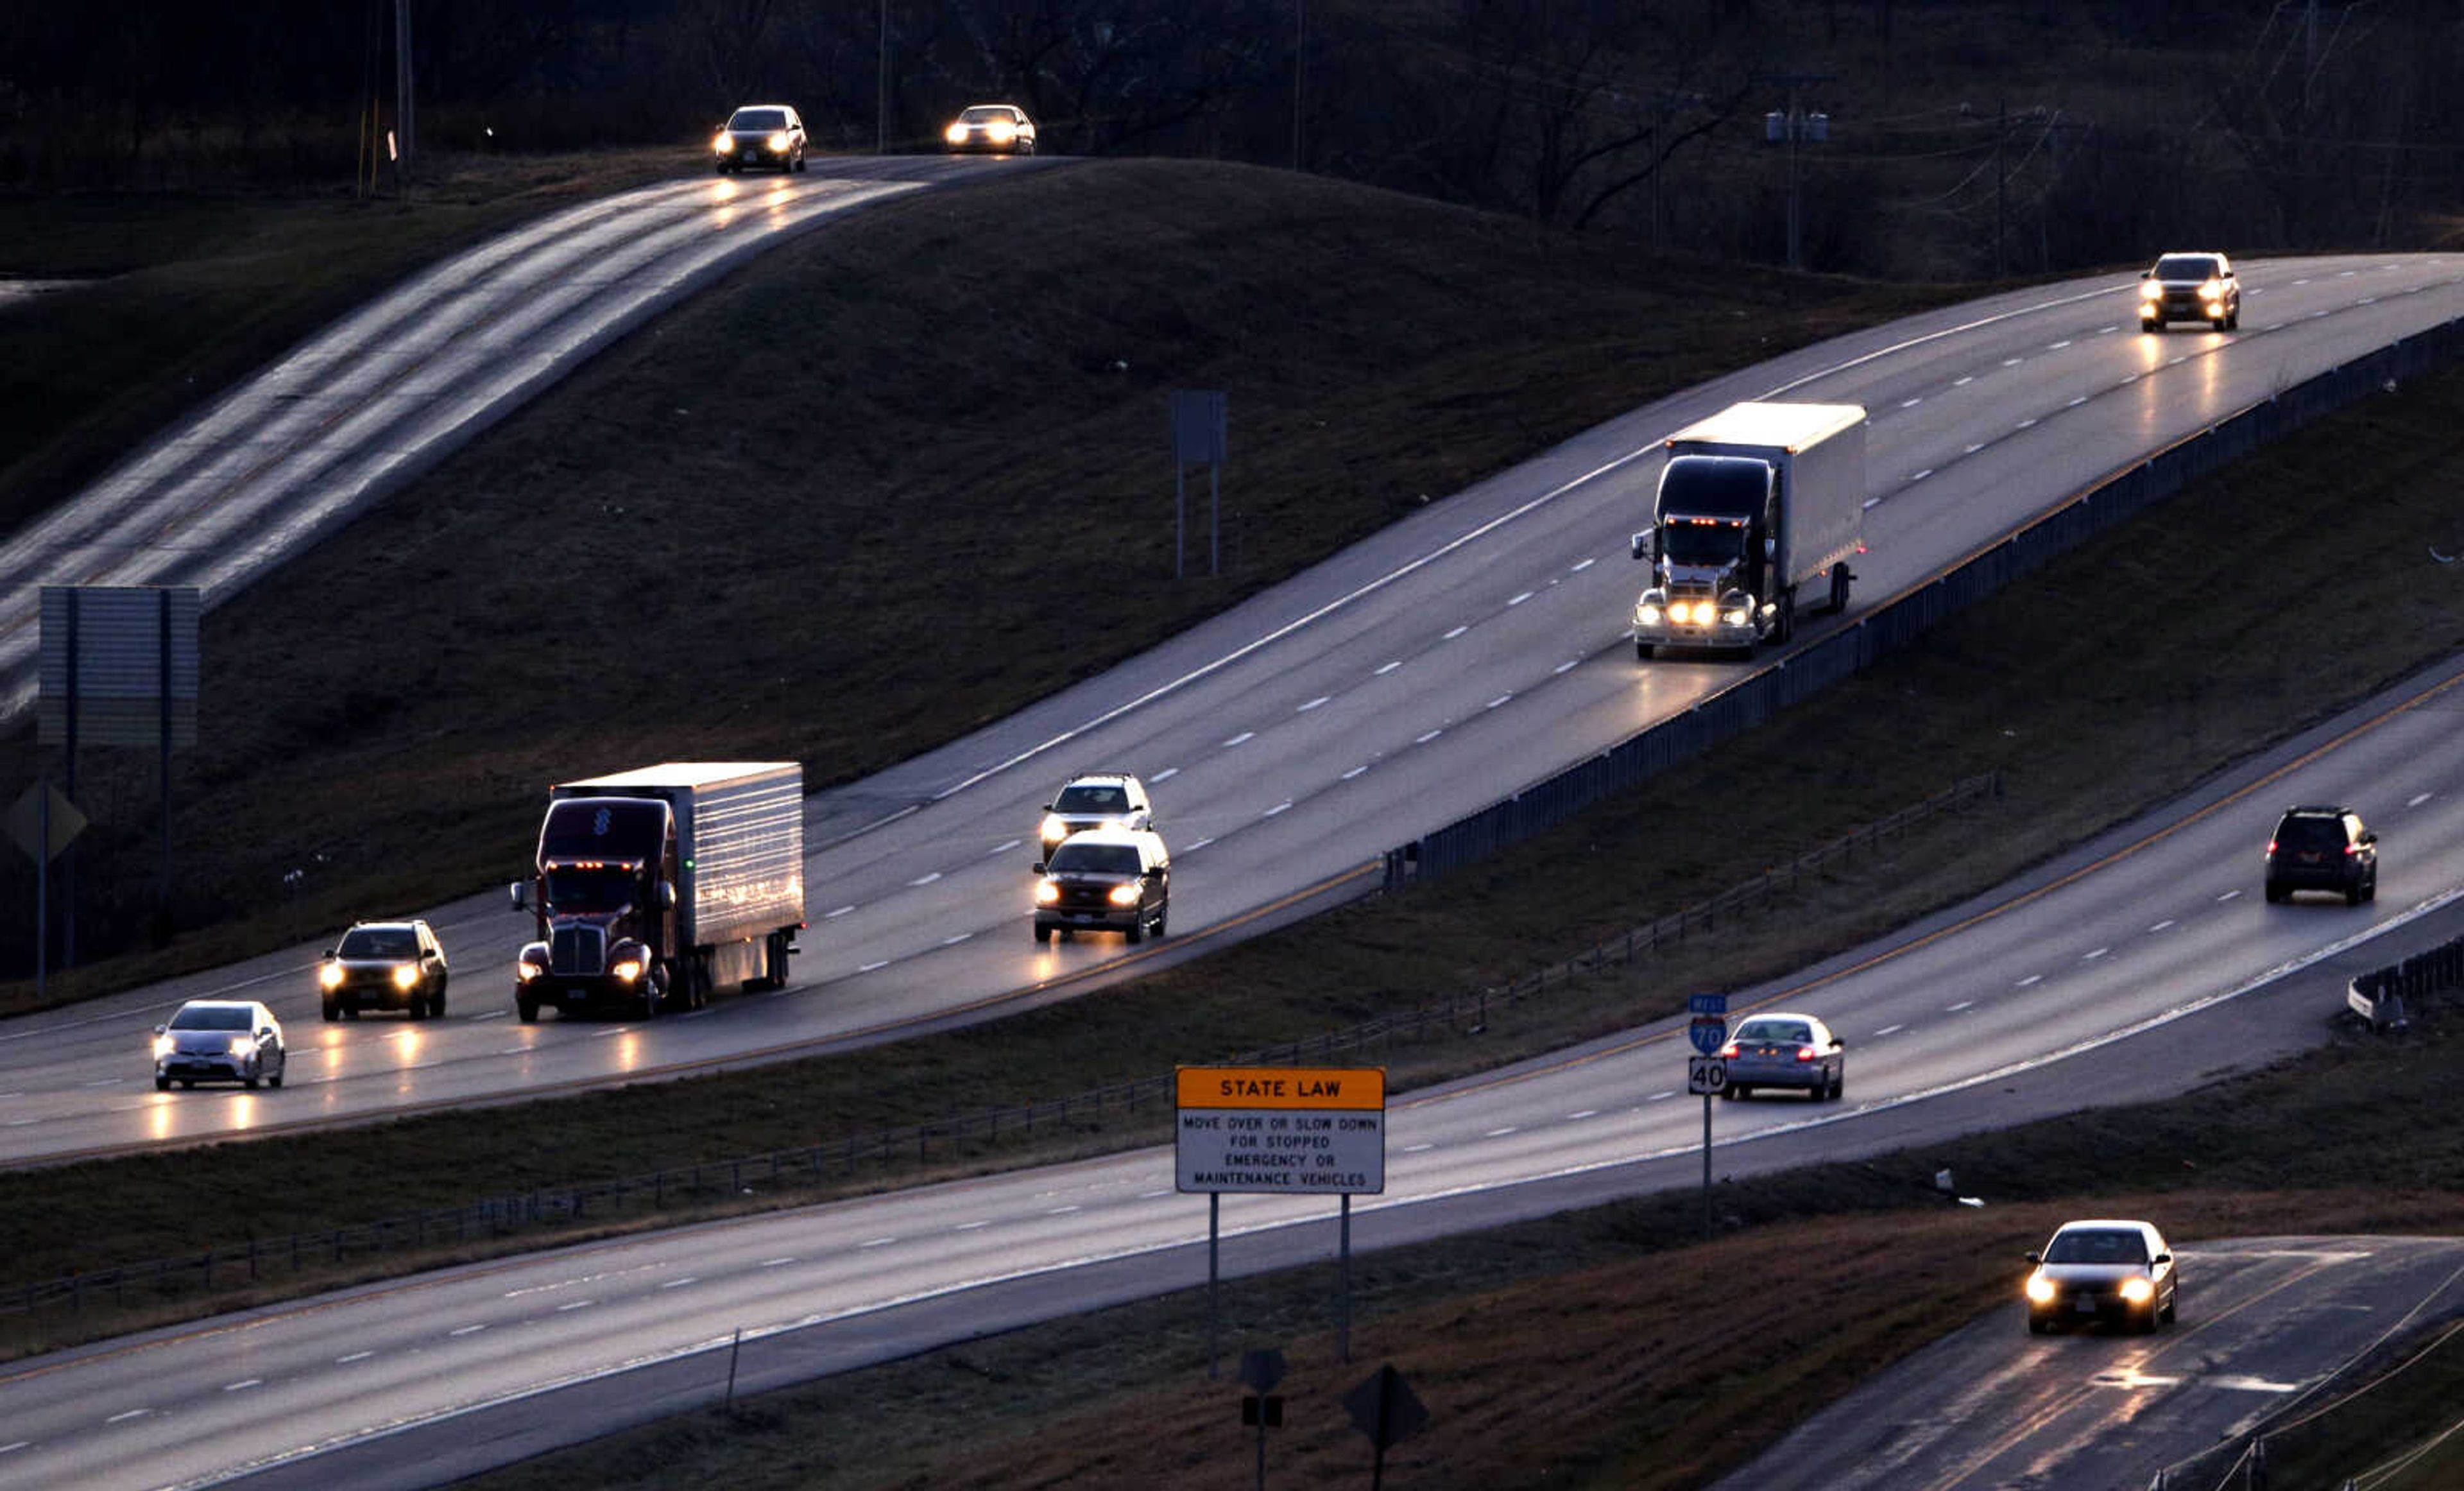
1094	800
2117	1272
219	1041
1780	1050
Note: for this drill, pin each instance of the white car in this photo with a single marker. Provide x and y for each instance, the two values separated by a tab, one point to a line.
219	1041
991	128
1094	800
2118	1272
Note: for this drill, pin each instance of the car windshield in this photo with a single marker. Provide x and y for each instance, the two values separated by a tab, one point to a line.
1704	542
212	1017
2185	266
1091	799
2311	834
748	120
589	890
374	941
2098	1245
1075	859
984	116
1789	1031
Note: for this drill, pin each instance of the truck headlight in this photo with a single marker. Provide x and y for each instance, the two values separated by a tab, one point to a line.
2040	1289
524	972
330	976
1646	616
1046	892
405	974
626	970
1736	615
1123	894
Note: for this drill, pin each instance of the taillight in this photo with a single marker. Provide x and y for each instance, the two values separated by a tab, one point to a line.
2352	849
1807	1053
2271	848
1728	1052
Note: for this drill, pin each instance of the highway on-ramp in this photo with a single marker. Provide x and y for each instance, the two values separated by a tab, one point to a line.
1471	649
2087	982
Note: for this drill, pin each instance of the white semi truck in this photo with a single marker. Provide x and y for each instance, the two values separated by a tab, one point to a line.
1758	503
653	887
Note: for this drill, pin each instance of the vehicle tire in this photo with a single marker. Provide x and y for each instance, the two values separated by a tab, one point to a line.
437	1003
331	1011
1138	927
2354	896
1841	579
1819	1091
722	168
527	1009
2274	893
1042	933
161	1084
2145	325
2035	1325
418	1005
1161	912
350	1009
1642	652
1784	629
2220	323
249	1082
276	1080
2174	1308
2233	323
1839	1085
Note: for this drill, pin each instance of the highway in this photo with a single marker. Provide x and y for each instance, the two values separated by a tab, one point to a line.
2082	984
1472	649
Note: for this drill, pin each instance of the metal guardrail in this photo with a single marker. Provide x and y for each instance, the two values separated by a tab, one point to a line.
919	1146
1895	625
2380	996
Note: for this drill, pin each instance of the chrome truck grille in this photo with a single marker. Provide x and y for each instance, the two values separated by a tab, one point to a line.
577	950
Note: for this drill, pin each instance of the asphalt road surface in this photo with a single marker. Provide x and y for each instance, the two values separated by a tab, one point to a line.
1426	671
2085	983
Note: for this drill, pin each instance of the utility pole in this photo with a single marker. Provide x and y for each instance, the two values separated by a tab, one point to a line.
881	85
2001	177
402	88
1792	126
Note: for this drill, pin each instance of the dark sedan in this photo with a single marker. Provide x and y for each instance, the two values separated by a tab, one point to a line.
767	135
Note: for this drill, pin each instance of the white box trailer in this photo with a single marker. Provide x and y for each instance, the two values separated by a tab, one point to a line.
653	886
1756	504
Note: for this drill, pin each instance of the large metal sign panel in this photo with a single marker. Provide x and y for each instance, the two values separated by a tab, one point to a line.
1272	1131
120	652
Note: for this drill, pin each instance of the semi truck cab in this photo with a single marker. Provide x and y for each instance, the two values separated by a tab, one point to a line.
604	893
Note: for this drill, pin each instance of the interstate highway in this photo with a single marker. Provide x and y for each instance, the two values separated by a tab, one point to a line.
1470	650
2148	943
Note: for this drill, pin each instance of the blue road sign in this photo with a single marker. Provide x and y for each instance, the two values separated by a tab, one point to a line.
1707	1004
1709	1032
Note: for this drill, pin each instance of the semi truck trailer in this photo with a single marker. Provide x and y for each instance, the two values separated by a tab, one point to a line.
1759	505
652	888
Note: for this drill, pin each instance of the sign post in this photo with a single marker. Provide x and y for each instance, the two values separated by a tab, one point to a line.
1269	1131
1706	1073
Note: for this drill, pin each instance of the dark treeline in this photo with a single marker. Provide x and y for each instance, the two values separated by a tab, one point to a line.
1955	138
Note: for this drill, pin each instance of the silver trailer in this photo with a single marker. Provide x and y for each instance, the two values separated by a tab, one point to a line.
1757	505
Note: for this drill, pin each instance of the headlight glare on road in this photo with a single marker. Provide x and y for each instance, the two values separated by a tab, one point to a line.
1123	895
330	976
2138	1291
2040	1289
1046	892
405	974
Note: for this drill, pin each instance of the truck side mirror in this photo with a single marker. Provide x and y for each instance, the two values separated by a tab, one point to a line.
521	890
1642	542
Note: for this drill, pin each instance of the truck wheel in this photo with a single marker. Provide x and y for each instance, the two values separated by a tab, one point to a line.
528	1009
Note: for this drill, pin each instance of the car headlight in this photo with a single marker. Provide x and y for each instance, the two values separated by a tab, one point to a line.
1123	894
2138	1291
779	144
1646	616
1054	830
242	1045
405	974
164	1046
2151	290
1001	131
2212	290
955	134
626	970
1046	892
330	976
724	145
2040	1289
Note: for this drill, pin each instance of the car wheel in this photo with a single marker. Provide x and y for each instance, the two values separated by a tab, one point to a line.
2353	896
161	1084
2174	1308
418	1005
2220	323
1042	933
2233	323
2145	325
2274	893
276	1080
1642	652
330	1010
436	1002
1839	1084
2035	1325
1161	913
1138	927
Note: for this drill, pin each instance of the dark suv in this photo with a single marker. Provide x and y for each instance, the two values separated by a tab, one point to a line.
2322	849
384	966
